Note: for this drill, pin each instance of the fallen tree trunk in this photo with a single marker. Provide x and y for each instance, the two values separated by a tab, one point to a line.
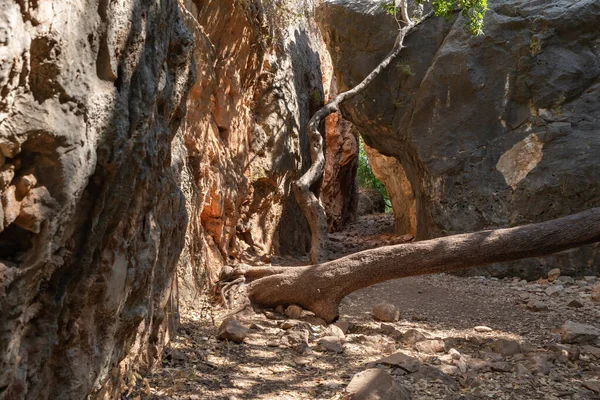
320	288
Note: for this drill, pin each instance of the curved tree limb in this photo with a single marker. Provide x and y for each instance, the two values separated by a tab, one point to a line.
320	288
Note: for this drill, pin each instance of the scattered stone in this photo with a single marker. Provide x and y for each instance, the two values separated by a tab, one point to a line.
483	329
596	292
391	331
590	279
232	330
591	350
479	365
291	324
385	312
376	384
501	366
412	336
280	310
554	290
330	344
566	279
273	343
296	339
455	354
314	320
334	330
565	352
522	371
427	372
400	360
574	303
506	347
345	326
537	305
573	332
538	363
431	346
594	386
553	274
293	312
449	369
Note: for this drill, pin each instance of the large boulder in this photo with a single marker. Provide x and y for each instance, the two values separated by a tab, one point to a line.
492	131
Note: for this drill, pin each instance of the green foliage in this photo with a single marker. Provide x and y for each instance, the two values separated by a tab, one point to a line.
473	10
405	69
366	178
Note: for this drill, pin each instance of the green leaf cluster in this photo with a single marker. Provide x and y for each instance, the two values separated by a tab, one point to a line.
472	10
365	177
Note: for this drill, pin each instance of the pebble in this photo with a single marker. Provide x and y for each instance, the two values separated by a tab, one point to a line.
385	312
573	332
483	329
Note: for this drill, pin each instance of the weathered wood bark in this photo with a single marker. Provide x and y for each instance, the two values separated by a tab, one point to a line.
320	288
309	203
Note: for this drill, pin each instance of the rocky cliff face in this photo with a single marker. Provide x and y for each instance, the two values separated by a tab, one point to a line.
109	187
92	217
498	130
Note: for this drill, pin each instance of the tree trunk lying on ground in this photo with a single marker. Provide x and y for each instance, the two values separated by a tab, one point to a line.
320	288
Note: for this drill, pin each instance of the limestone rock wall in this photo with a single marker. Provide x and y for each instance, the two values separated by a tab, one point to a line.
492	131
92	219
259	82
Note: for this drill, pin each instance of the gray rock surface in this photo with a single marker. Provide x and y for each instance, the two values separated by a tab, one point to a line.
375	384
492	131
573	332
385	312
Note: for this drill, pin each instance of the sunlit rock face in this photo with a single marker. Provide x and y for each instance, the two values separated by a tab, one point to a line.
142	146
491	131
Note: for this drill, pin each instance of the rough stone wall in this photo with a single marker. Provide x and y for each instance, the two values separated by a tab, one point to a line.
259	81
492	131
92	218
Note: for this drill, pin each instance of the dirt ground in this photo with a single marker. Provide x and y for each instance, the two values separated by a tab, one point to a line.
470	365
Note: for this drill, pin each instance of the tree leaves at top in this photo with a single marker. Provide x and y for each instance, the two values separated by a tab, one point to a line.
472	10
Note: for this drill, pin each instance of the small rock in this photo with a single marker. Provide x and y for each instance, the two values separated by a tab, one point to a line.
412	336
449	369
522	371
280	310
345	326
330	344
400	360
273	343
590	279
296	339
565	352
591	350
537	305
574	303
232	330
596	292
391	331
483	329
455	354
334	330
572	332
293	312
427	372
538	363
314	320
479	365
594	386
501	366
385	312
431	346
375	384
554	290
566	279
553	274
506	347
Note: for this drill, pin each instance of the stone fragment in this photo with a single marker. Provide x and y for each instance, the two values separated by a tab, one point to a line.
501	366
400	360
232	330
455	354
554	290
296	340
522	371
574	303
537	305
334	330
539	363
594	386
573	332
385	312
591	350
412	336
330	344
293	311
375	384
345	326
565	352
450	370
596	292
7	173
483	329
314	320
479	365
506	347
24	184
10	206
553	274
430	373
431	346
566	279
391	331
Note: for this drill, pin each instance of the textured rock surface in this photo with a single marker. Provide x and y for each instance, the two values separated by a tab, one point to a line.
93	220
100	162
259	81
498	130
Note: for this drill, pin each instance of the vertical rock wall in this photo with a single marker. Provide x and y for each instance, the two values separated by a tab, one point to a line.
92	218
